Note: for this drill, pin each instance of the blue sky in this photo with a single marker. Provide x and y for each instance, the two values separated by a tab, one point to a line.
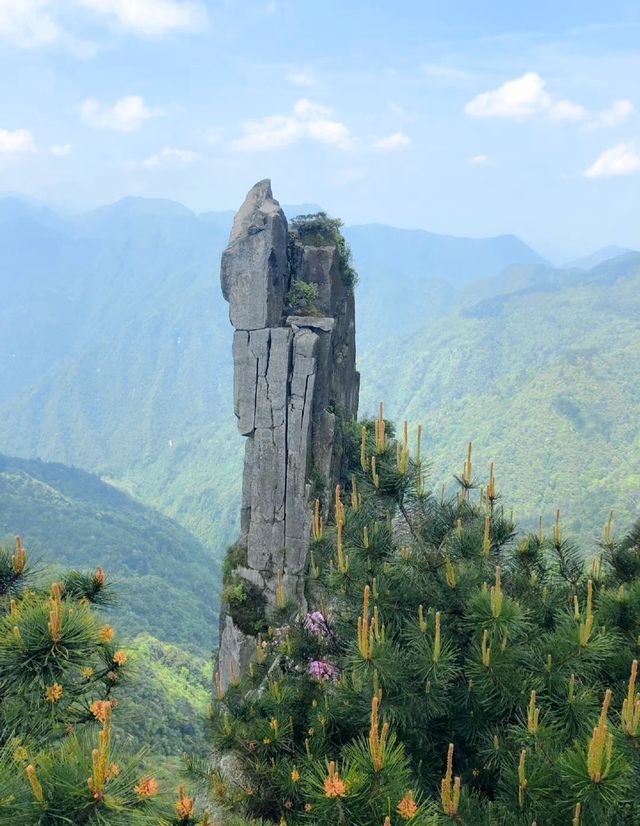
458	117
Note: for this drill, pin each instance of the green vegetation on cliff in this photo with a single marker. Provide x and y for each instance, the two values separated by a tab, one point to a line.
454	670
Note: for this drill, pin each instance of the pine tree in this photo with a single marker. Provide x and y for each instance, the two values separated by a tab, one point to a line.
453	670
60	668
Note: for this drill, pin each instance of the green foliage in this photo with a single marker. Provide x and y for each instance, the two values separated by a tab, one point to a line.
75	519
302	297
347	270
246	603
57	657
61	773
61	759
496	366
163	704
437	624
12	577
319	230
80	585
317	482
235	557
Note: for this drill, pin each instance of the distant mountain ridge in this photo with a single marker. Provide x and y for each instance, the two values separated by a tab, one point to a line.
119	353
412	275
586	262
122	360
447	257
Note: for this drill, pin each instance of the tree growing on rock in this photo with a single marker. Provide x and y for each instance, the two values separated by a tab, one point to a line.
302	298
452	671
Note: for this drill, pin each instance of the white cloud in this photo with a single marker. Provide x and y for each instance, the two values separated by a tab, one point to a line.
16	142
308	121
523	97
567	110
28	23
527	97
622	159
300	78
390	143
150	17
61	150
617	114
479	160
171	157
126	115
38	23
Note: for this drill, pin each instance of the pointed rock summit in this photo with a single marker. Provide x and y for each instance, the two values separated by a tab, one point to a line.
254	265
295	383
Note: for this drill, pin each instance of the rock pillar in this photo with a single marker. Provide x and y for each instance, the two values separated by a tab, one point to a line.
294	383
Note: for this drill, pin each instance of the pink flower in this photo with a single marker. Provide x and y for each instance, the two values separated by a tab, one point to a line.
322	670
317	624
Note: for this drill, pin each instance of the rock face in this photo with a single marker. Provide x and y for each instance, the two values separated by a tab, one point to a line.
294	383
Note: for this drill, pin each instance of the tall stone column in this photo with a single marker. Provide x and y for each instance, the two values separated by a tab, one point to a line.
294	378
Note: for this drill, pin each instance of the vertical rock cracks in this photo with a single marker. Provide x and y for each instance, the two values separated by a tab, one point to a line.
294	382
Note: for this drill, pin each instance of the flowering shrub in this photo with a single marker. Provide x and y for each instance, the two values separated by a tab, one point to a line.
322	670
316	623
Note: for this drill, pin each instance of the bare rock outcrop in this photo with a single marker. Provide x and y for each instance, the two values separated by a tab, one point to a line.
295	382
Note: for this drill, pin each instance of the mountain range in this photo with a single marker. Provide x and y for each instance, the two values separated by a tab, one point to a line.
540	369
116	358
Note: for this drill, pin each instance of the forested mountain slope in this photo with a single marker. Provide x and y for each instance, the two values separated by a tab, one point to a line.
135	391
119	353
168	583
118	358
544	379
